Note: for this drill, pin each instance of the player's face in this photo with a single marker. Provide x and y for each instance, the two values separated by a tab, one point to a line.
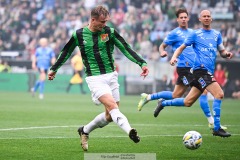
99	23
183	20
205	18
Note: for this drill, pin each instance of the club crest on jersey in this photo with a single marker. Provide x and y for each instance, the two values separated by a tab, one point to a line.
104	37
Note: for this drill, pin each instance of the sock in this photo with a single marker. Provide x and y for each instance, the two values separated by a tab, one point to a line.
210	119
41	87
120	120
216	113
204	105
163	94
36	86
98	122
174	102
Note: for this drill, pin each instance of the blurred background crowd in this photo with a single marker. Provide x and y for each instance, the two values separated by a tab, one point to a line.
143	23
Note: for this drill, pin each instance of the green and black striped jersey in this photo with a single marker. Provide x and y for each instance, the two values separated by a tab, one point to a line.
97	50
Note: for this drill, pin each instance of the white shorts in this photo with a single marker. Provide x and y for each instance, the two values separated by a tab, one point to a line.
103	84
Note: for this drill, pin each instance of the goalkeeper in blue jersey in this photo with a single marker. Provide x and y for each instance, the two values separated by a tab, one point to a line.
185	62
206	42
96	43
43	58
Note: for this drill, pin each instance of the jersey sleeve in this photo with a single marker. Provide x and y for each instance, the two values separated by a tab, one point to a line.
125	48
37	52
219	39
169	40
190	39
65	53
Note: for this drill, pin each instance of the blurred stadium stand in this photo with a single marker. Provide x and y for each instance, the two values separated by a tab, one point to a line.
143	23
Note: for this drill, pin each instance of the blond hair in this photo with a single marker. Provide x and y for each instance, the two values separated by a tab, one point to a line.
98	11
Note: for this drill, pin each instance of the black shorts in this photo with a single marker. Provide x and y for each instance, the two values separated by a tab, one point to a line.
185	76
202	78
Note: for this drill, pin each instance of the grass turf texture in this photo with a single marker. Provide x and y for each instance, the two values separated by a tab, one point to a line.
47	129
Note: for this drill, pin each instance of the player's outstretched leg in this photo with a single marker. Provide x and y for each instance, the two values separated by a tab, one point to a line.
83	138
158	108
221	133
134	136
142	101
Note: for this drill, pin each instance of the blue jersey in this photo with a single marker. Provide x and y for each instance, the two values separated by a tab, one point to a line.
44	56
205	44
175	39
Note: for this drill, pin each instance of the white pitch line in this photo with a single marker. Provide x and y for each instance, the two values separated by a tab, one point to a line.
75	126
29	128
142	136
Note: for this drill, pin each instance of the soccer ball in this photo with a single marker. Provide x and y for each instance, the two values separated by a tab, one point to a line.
192	140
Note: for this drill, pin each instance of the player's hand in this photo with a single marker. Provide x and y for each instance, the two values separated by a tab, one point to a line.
163	54
51	75
173	61
229	55
145	71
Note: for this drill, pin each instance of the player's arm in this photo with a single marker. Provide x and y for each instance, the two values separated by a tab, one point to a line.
221	48
34	60
168	40
162	51
53	60
224	53
187	42
63	56
177	52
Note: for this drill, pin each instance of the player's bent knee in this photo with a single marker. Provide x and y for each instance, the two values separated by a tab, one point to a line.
188	104
219	95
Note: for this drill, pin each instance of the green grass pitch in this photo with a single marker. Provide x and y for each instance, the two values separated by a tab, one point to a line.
47	129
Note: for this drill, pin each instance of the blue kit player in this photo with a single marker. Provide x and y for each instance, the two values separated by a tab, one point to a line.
42	60
205	42
185	62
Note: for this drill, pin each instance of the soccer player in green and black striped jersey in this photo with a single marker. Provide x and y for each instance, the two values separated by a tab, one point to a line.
96	43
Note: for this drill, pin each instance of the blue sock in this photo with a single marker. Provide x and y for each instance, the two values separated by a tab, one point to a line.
36	85
41	87
217	112
204	105
163	94
174	102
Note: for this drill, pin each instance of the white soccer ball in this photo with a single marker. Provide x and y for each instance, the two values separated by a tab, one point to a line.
192	140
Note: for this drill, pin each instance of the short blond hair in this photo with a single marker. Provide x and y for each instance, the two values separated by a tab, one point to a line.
98	11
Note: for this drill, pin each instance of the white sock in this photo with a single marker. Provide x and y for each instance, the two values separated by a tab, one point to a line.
98	122
149	97
120	120
210	119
